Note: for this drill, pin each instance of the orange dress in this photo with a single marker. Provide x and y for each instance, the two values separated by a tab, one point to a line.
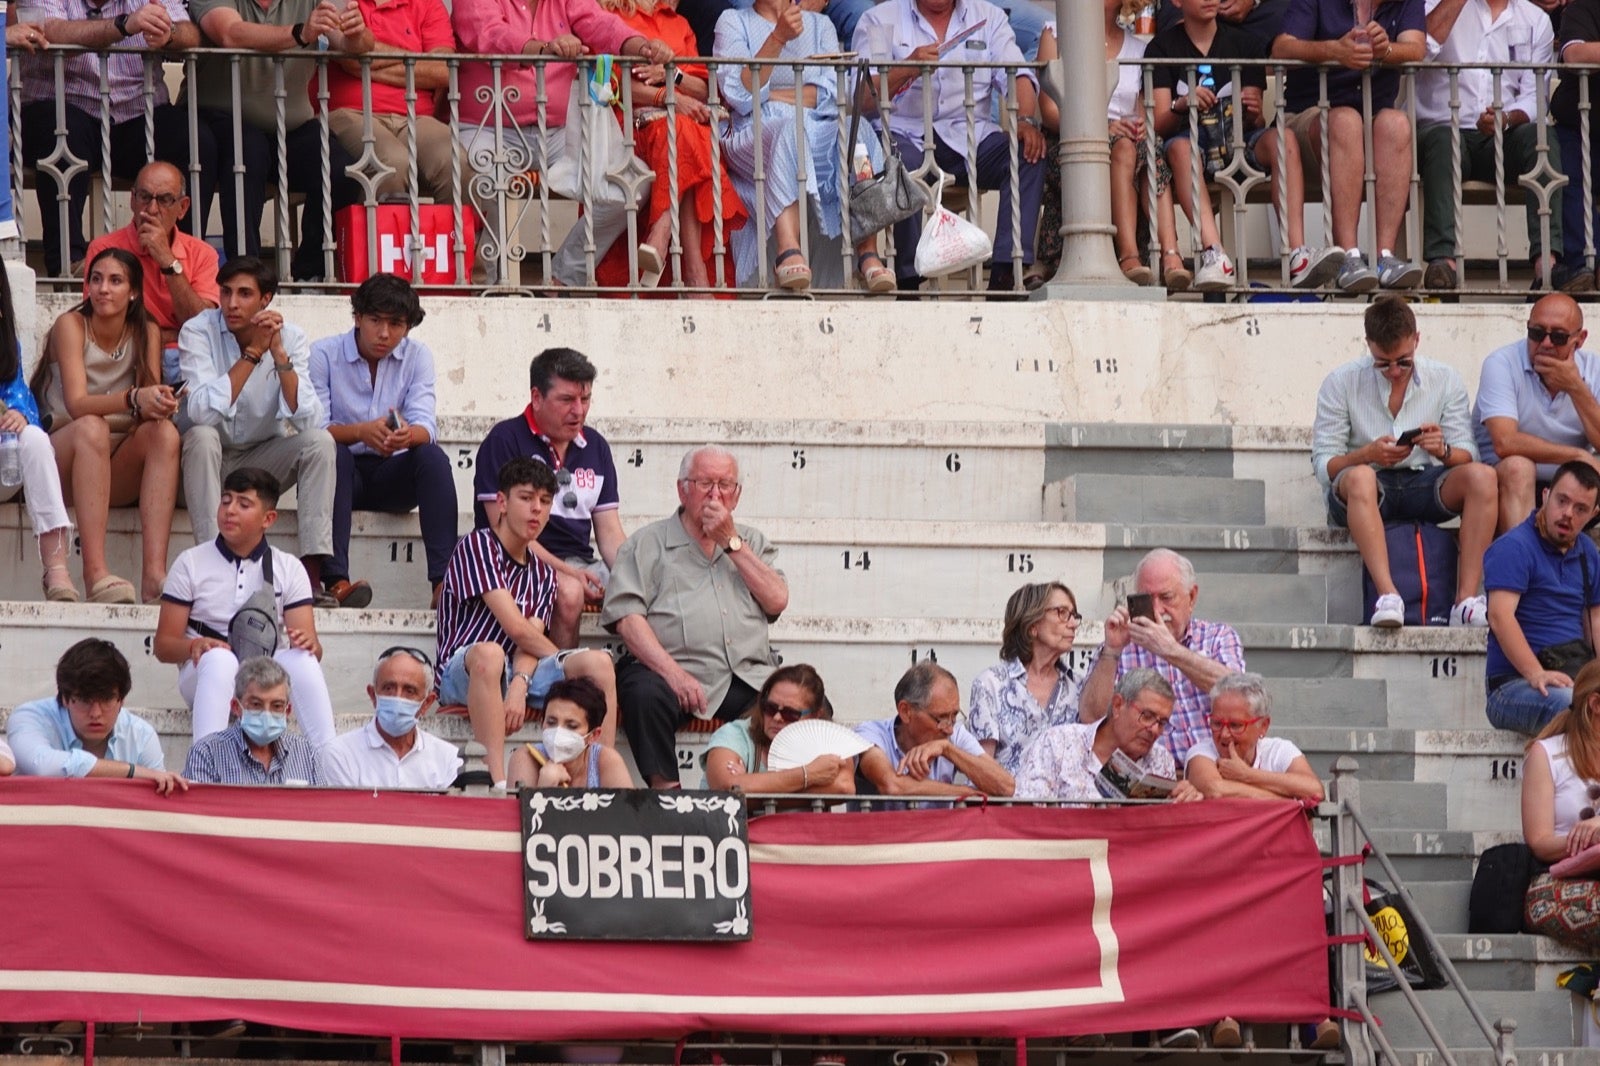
695	174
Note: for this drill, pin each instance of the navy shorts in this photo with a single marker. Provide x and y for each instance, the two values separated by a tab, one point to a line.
1403	496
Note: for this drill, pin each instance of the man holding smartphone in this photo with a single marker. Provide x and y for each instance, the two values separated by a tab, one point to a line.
376	387
1392	442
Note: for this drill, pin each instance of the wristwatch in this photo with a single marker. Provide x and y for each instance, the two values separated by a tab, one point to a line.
173	269
735	542
527	679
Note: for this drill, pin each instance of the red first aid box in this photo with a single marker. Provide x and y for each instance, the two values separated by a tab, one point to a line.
436	226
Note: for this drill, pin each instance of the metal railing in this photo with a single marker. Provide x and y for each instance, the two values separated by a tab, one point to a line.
498	188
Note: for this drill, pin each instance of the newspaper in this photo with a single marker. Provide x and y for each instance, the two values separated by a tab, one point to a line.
1122	778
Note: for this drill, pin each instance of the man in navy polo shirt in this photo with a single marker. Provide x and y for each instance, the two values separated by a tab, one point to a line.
1324	31
551	429
1543	580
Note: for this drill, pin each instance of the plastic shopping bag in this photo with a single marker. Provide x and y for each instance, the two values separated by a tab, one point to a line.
949	243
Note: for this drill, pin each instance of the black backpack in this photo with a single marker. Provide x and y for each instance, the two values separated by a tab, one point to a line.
1499	887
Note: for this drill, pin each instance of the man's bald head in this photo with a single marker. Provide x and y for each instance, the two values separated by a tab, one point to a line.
161	177
1557	311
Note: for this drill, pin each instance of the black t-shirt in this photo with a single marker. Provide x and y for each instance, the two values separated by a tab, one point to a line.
1580	21
1231	42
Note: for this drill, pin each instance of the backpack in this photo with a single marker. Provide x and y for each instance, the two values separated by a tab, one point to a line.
1499	886
1422	562
253	629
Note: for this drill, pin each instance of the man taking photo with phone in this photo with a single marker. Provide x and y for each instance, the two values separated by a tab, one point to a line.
1392	442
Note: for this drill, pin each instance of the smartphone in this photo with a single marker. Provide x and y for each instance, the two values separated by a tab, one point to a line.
393	420
181	391
1409	437
1141	605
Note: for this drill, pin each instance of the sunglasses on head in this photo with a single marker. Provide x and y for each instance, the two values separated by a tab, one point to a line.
405	649
564	480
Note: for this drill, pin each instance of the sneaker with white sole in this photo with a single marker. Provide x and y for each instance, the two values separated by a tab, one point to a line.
1312	269
1355	275
1470	612
1389	612
1216	271
1397	273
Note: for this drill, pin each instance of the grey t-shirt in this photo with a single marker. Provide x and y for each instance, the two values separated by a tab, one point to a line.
257	83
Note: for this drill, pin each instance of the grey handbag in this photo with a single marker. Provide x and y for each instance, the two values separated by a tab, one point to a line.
878	202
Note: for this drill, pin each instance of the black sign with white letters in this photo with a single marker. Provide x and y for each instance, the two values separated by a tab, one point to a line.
634	864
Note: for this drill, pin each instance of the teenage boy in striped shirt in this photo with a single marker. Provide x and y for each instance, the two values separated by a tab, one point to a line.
495	655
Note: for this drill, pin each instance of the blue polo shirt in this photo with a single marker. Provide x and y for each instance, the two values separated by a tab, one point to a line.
1508	388
1328	20
593	484
1551	585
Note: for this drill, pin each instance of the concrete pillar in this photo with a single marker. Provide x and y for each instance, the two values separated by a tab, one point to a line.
1077	82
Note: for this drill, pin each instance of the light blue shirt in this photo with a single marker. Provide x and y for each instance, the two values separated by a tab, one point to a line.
1353	411
348	393
207	351
46	745
880	734
1508	388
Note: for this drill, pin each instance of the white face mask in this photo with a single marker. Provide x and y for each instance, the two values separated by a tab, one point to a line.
563	744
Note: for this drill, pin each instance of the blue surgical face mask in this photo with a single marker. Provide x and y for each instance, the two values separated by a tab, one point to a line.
397	716
262	726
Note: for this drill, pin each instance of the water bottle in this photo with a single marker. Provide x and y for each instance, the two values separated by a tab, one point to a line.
1211	134
10	461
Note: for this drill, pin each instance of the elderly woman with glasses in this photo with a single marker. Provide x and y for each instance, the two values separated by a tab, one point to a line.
1560	795
1032	688
1240	759
736	754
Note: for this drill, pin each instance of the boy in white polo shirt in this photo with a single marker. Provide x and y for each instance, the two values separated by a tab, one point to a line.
207	587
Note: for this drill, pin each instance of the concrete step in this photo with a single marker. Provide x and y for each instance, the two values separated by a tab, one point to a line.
1425	855
1544	1018
1156	499
1408	805
1444	906
1514	962
1306	701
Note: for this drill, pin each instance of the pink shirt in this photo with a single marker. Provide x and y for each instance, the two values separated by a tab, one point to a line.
501	27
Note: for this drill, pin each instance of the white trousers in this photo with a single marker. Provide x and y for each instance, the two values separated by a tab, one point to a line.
41	481
208	689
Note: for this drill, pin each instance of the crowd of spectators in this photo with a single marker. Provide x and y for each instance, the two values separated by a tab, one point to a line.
742	198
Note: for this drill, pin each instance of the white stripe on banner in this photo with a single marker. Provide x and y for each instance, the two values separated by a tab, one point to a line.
927	851
210	825
544	1001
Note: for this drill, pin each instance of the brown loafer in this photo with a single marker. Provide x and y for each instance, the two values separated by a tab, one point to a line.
355	594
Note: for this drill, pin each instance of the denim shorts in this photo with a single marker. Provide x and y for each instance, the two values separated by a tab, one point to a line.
1250	139
453	678
1403	496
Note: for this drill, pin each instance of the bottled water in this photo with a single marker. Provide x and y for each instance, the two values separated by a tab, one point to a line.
10	461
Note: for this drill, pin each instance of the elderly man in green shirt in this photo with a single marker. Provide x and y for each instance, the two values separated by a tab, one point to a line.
692	596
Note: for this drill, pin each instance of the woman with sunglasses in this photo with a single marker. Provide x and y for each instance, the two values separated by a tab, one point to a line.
1032	688
569	753
736	754
1560	795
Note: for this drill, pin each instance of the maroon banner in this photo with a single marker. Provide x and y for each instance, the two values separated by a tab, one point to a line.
396	914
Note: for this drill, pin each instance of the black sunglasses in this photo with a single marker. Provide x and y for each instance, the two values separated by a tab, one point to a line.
405	649
1558	337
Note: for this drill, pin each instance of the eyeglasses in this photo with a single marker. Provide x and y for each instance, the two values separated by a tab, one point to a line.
564	480
165	200
275	707
706	484
1151	720
405	649
946	723
790	715
1558	337
1381	365
1064	614
1219	726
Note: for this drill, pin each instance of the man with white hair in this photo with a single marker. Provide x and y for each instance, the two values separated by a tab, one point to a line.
390	751
692	596
1190	654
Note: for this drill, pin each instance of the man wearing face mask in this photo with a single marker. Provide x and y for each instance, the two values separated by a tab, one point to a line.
256	748
390	751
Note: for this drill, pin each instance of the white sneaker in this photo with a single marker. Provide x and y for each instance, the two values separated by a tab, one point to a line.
1310	269
1389	612
1472	611
1216	271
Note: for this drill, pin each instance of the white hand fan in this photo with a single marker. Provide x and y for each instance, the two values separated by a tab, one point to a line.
803	741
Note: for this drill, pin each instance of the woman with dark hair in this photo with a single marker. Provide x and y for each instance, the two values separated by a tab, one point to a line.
736	754
111	422
19	414
1560	795
1031	688
569	753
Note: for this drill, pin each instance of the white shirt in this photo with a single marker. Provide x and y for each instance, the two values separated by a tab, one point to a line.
1061	763
363	759
214	583
207	351
1273	754
895	28
1124	101
1522	34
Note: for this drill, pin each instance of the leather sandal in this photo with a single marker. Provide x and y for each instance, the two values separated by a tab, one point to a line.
793	276
877	279
1178	278
1137	272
